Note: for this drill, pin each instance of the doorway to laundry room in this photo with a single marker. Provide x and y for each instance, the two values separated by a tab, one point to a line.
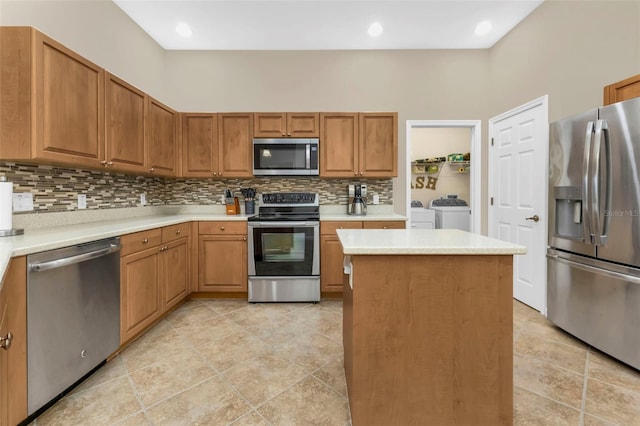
443	177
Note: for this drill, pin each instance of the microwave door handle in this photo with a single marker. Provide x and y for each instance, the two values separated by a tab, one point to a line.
602	133
308	156
586	194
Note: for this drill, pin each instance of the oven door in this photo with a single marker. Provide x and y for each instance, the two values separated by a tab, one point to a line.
284	249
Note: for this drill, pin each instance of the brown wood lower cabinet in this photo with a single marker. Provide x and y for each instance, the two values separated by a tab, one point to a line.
13	358
153	279
331	257
222	257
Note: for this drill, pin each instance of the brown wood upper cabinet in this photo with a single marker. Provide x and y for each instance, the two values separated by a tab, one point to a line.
286	124
199	145
235	145
51	101
217	145
126	110
161	143
359	144
622	90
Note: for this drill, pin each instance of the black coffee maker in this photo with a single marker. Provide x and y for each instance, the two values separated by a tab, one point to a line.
357	199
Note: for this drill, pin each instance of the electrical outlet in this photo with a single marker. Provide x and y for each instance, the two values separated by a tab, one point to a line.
143	199
22	202
376	199
82	201
223	200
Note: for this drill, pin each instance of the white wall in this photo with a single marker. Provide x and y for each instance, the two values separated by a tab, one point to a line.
98	30
439	142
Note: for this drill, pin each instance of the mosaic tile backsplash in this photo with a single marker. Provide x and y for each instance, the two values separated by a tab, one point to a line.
56	189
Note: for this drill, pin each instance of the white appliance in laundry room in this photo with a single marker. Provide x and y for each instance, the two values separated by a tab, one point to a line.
422	217
451	213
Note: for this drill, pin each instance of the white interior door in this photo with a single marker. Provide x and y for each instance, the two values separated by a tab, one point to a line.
518	158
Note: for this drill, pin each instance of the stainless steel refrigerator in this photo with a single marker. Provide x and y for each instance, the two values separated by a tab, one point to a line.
593	282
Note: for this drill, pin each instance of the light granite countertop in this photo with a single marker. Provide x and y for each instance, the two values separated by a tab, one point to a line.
38	240
422	242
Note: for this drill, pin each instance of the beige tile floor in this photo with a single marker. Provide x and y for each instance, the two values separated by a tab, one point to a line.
226	362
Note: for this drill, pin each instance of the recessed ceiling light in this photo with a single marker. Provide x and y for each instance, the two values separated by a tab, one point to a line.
483	28
375	29
184	29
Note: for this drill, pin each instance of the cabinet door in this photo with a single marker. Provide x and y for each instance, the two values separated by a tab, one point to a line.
199	144
331	269
161	139
174	272
139	292
622	90
222	263
69	105
235	145
338	144
269	124
125	109
303	124
378	155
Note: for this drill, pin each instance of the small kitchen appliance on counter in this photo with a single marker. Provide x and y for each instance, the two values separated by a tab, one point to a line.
357	200
284	248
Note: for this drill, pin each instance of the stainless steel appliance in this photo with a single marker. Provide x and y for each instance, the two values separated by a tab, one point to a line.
593	288
285	157
73	316
357	199
284	249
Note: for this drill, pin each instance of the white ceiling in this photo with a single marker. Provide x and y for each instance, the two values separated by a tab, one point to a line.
325	24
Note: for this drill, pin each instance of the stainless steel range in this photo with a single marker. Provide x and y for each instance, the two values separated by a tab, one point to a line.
284	248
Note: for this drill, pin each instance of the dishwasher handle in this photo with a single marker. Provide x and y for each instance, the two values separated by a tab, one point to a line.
65	261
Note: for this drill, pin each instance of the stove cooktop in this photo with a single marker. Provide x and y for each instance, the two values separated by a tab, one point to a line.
287	206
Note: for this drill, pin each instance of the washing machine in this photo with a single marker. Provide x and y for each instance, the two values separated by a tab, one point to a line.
451	213
423	218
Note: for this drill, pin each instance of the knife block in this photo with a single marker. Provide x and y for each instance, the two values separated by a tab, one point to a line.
233	208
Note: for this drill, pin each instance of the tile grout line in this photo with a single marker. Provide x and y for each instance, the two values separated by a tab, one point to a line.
584	387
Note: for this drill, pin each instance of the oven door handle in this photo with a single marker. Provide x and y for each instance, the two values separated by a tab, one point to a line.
283	223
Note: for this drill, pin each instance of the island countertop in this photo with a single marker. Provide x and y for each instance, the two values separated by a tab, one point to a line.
422	242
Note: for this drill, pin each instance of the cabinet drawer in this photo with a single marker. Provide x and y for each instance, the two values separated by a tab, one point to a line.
137	241
222	228
173	232
384	224
329	228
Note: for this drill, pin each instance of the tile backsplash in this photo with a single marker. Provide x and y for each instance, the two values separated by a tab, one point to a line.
56	189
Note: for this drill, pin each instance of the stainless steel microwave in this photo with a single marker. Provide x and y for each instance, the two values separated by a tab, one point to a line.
285	157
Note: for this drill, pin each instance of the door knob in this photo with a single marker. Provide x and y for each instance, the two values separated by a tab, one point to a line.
534	218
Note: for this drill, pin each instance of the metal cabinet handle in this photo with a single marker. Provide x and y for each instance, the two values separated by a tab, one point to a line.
384	227
178	232
244	238
222	228
103	162
110	163
355	173
145	241
342	227
5	342
534	218
361	173
151	169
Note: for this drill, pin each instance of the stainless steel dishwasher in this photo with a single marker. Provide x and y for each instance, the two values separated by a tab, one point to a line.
73	316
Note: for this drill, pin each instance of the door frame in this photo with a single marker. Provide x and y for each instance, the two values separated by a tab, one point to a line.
542	101
476	166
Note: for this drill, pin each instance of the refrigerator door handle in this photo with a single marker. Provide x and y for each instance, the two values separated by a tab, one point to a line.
593	269
586	194
594	187
602	131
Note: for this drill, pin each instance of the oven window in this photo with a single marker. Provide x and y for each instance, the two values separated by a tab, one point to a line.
283	247
283	250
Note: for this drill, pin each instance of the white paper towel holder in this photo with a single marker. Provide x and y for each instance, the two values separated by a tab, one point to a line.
13	231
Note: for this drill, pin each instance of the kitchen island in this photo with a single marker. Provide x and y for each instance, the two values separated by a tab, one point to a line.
428	333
